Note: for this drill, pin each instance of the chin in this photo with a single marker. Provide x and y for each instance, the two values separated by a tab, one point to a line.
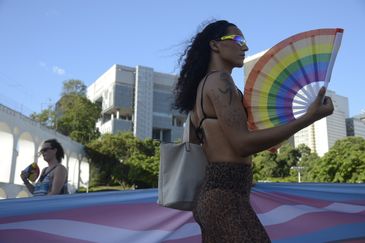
239	64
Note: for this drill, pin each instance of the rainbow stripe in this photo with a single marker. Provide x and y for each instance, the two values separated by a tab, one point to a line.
286	79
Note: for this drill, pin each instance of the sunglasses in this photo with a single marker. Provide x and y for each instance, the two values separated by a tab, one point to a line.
43	150
239	39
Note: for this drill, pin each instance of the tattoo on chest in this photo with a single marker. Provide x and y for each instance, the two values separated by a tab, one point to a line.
229	88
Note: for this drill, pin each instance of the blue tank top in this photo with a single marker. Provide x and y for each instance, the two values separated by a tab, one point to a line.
44	184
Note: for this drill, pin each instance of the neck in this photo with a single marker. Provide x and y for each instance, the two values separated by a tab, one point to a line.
52	163
219	66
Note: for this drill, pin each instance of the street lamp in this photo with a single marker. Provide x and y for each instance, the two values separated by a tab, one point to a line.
298	169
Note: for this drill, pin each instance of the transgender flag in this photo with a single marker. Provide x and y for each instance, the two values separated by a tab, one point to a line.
290	213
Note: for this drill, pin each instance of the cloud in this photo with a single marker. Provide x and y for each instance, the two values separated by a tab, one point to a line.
55	69
42	64
58	70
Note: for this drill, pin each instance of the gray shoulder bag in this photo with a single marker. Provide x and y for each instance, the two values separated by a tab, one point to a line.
182	170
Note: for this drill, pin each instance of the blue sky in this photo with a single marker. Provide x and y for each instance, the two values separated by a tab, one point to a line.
43	43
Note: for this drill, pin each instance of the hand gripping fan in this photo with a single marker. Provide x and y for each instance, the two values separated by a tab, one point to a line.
286	79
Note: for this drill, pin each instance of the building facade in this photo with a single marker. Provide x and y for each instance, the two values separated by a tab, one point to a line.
138	100
322	135
356	125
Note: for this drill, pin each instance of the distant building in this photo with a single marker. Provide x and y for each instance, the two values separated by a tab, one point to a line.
356	125
321	135
138	100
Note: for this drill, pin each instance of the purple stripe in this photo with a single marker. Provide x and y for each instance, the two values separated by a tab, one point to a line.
23	236
193	239
264	202
128	216
296	81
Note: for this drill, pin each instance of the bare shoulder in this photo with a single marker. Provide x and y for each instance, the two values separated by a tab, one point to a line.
221	86
61	169
220	79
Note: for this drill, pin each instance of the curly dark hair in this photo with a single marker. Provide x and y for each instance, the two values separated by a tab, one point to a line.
195	60
60	154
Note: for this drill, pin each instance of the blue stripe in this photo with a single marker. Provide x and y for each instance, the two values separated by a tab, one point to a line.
323	191
54	203
336	233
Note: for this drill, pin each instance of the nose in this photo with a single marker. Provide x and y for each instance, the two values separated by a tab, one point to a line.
245	48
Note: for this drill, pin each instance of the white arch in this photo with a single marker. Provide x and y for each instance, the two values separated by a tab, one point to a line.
20	140
84	173
6	143
25	148
73	171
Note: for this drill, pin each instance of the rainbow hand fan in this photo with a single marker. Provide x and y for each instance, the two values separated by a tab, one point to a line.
286	79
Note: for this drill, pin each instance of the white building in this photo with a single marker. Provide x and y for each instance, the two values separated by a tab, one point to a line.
137	100
321	135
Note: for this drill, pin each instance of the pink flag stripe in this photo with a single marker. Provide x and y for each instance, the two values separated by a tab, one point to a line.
128	216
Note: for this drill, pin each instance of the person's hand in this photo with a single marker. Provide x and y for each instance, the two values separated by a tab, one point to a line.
321	107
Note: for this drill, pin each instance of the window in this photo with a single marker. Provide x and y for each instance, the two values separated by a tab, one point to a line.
178	121
163	135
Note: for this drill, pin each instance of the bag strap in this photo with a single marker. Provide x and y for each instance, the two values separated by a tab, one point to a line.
45	174
186	136
201	100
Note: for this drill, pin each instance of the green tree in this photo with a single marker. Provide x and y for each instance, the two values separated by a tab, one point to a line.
287	157
264	164
76	117
277	166
46	117
123	159
73	86
144	163
73	115
344	162
106	156
309	163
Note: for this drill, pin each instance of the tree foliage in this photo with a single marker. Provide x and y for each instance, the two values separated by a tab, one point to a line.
46	117
123	159
264	164
73	86
268	165
76	117
344	162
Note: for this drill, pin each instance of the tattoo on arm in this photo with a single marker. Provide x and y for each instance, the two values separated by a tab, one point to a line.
229	89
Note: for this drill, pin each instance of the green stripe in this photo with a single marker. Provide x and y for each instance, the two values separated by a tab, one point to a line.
292	68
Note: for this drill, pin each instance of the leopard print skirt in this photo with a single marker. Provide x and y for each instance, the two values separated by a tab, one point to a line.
223	209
